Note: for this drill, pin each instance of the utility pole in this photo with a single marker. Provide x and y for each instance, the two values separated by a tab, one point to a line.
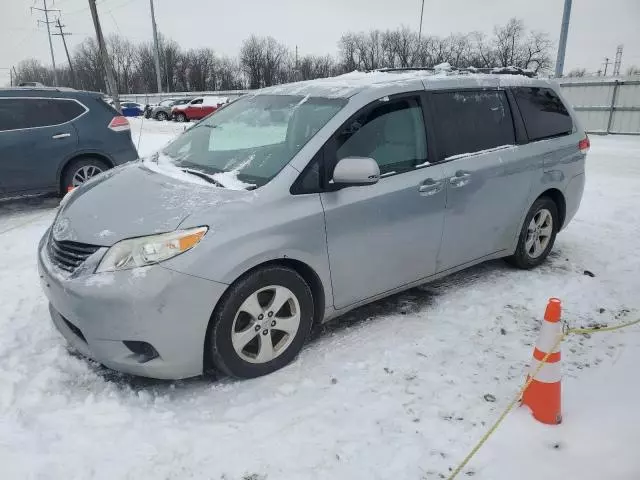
606	65
47	22
108	71
564	32
66	50
420	29
618	61
156	48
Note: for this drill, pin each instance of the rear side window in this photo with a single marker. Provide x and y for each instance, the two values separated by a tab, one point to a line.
472	121
12	114
543	113
19	113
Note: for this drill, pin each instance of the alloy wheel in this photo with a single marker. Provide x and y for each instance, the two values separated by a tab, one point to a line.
539	233
265	324
84	173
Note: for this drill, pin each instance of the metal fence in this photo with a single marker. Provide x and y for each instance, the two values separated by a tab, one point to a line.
605	105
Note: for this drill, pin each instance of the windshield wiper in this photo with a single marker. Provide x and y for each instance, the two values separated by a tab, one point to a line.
204	176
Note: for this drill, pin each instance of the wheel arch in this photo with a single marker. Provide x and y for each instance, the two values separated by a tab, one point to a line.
558	198
307	273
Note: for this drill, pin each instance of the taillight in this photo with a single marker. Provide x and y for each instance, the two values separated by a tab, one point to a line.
119	124
584	144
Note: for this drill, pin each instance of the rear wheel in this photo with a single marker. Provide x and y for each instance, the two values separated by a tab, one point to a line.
81	170
261	323
180	117
161	116
538	234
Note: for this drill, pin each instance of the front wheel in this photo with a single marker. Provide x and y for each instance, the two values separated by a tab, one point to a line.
161	116
261	323
538	234
180	117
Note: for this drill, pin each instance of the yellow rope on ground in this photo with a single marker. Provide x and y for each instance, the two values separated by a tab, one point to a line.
517	398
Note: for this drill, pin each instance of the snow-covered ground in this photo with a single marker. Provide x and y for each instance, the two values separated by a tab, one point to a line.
394	390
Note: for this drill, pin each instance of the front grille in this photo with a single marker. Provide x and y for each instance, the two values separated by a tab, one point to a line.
69	255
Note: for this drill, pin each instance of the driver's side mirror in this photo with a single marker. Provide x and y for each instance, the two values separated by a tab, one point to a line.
352	171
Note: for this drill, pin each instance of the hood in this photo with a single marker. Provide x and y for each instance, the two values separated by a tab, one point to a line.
135	200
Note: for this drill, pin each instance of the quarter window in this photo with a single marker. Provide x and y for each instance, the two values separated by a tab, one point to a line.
392	133
19	113
543	113
472	121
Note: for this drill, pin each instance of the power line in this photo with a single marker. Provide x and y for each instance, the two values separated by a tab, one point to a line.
66	50
48	23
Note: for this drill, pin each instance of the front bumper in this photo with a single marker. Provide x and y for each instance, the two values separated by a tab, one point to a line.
96	313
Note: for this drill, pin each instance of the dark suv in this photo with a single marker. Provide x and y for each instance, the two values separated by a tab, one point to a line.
52	139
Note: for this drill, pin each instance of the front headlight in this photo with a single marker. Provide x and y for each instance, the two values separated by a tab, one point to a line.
142	251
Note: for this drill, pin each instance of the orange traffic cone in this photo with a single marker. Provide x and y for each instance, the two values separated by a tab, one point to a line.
543	395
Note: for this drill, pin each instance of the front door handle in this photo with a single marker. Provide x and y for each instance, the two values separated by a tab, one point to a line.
460	179
61	135
430	187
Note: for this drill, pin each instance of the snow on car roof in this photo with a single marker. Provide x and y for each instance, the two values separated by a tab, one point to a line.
441	76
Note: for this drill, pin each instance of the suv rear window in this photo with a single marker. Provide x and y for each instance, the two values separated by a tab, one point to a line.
472	121
543	113
20	113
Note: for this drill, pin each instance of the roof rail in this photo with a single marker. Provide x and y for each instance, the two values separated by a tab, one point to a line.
465	70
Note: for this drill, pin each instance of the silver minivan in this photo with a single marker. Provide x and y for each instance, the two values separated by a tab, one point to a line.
299	202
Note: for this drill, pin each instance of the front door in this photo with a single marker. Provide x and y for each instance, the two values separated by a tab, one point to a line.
36	136
488	181
386	235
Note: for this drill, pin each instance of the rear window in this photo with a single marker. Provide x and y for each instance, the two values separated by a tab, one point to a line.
543	113
19	113
472	121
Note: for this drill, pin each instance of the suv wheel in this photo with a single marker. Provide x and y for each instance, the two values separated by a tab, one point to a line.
180	117
81	170
261	323
161	116
538	234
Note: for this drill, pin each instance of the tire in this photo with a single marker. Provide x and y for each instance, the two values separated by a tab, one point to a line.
542	218
161	116
180	117
81	170
248	357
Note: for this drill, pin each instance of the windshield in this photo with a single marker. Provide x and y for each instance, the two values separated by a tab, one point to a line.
167	103
252	139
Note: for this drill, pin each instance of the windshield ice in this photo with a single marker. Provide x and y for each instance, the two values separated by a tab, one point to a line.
253	138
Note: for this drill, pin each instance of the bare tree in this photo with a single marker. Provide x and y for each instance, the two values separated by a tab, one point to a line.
251	58
263	61
514	46
633	70
577	72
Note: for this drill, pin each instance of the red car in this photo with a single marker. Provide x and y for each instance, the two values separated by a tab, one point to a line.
197	108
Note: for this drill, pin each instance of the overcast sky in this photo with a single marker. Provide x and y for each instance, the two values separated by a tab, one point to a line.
597	26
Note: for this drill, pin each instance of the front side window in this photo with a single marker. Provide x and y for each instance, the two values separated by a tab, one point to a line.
253	138
20	113
543	113
472	121
392	133
197	101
